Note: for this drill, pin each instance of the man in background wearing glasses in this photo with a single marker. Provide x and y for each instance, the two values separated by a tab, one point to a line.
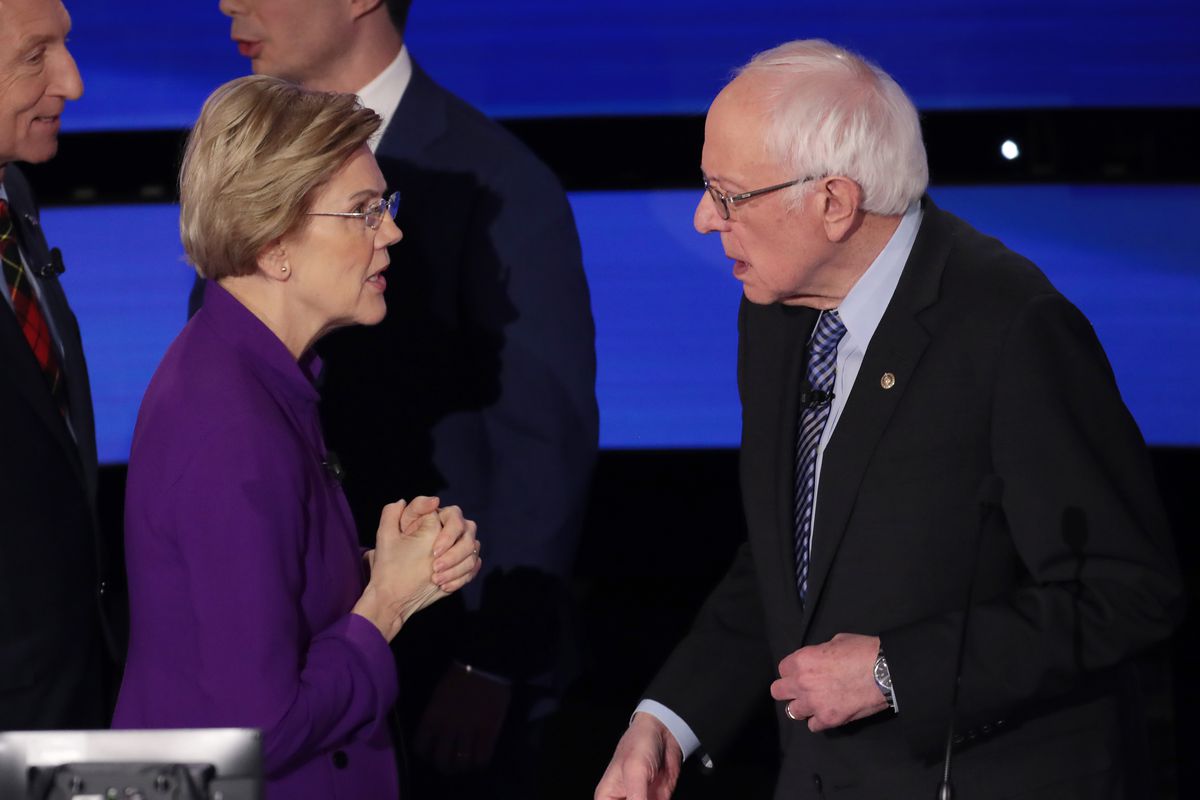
487	298
928	425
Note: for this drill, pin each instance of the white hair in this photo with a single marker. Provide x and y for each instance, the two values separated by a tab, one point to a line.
832	112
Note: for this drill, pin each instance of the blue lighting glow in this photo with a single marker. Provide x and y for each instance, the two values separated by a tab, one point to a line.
152	64
666	304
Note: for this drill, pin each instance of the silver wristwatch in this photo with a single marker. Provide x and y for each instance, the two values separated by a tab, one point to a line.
883	679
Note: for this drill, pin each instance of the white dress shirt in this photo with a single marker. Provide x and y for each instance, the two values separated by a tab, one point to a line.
383	94
860	312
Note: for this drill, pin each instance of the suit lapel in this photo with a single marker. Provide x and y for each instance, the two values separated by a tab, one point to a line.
771	363
790	382
23	367
419	120
896	348
79	392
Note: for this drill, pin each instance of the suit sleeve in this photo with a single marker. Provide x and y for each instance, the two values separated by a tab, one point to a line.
722	669
724	666
239	512
1100	580
522	467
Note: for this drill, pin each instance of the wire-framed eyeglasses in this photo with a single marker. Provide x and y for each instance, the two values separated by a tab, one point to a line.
372	214
727	202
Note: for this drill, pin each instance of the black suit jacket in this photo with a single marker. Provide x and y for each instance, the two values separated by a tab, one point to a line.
479	386
996	374
53	663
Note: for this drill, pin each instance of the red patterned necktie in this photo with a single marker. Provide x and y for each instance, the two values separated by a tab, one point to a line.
28	311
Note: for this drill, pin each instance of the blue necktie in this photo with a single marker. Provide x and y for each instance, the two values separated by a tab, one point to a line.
814	413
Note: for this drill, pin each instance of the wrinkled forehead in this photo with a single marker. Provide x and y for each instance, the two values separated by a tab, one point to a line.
737	121
22	21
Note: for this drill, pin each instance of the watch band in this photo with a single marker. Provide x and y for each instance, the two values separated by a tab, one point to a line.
883	679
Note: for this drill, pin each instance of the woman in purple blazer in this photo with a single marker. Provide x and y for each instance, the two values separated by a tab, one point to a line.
251	603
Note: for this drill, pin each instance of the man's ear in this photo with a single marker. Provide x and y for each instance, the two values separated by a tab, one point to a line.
359	8
840	201
273	261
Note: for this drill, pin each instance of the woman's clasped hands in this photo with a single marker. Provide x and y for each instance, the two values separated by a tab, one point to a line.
422	554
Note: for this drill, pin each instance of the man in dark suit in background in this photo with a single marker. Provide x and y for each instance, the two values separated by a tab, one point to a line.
927	424
55	670
487	298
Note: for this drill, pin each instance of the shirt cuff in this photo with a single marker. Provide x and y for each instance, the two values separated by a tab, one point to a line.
682	732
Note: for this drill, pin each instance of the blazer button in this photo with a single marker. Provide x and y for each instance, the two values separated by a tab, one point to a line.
102	588
340	759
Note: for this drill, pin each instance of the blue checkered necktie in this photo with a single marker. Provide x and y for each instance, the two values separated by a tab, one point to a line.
814	413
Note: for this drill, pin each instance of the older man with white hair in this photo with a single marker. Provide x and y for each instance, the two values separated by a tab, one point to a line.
928	426
53	660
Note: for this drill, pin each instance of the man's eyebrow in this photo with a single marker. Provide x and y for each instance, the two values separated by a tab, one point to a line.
35	40
724	183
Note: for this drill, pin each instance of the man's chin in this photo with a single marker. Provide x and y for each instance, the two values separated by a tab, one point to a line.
756	296
36	153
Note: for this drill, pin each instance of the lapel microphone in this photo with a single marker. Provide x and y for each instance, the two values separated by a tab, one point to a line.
54	266
333	465
815	398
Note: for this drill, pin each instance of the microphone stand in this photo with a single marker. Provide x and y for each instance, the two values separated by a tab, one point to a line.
990	492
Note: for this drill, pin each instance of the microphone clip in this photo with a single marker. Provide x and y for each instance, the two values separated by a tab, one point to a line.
333	466
54	267
815	398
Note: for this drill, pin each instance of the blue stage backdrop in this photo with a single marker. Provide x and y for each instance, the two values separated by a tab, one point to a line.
666	304
150	64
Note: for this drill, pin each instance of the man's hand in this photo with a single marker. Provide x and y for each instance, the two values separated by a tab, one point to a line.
831	684
462	722
645	765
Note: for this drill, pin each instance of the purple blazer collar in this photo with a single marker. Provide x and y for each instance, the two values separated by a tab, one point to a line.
247	334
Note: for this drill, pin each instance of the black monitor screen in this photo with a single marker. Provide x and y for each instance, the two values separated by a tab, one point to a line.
198	764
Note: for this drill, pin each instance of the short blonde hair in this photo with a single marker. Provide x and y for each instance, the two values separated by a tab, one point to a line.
259	150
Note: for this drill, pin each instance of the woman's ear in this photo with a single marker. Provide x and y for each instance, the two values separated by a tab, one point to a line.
273	261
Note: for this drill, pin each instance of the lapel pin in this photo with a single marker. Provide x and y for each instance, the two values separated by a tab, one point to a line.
888	380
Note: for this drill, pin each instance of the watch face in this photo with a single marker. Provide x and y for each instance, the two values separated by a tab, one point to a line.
883	675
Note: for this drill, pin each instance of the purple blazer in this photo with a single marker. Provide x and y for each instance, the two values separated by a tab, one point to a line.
244	564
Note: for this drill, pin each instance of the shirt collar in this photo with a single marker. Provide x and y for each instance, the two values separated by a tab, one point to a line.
250	336
863	307
383	94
